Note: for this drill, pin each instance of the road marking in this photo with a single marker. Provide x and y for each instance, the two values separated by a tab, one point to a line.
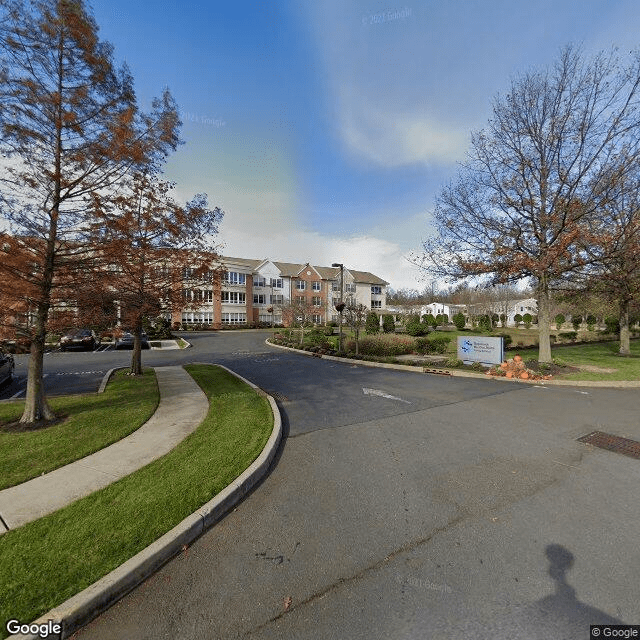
382	394
77	373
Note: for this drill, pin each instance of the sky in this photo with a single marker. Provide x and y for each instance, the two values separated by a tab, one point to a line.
325	129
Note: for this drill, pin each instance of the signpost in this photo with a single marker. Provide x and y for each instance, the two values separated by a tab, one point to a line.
480	349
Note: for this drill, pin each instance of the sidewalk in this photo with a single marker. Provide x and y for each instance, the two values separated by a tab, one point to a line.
182	408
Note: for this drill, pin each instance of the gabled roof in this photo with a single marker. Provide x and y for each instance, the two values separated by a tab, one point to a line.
308	266
328	273
244	262
293	269
365	276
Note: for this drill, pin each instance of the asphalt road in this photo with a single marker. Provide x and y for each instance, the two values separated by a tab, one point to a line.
454	508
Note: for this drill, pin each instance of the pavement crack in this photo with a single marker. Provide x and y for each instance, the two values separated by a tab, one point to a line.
406	548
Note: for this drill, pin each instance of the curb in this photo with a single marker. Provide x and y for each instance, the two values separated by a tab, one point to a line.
80	609
454	373
105	379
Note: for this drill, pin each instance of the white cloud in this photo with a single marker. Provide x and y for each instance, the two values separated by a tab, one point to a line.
394	139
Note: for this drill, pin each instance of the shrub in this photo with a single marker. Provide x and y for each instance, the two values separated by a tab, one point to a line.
440	343
459	320
373	323
591	322
383	345
527	319
568	335
559	320
388	325
517	319
506	339
503	319
576	321
315	338
433	345
485	322
417	328
613	324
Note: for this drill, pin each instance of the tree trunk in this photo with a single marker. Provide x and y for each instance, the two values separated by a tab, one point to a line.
544	321
357	332
136	354
36	407
625	334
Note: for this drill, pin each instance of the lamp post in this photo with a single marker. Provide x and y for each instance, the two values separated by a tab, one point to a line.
340	305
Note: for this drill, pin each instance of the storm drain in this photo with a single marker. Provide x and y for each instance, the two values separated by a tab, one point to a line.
277	396
613	443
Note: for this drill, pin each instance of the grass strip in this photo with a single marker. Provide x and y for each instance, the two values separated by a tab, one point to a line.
94	422
49	560
602	355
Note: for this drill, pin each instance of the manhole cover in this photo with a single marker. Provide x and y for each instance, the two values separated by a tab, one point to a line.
613	443
277	396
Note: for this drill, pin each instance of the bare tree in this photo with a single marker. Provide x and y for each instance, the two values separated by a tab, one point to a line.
614	272
536	174
69	127
355	315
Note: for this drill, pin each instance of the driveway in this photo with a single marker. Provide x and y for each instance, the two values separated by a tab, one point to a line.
436	508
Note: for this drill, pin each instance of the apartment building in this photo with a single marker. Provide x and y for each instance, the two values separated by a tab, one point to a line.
252	291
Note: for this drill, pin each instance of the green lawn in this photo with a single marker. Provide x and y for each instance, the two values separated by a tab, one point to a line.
47	561
93	422
597	361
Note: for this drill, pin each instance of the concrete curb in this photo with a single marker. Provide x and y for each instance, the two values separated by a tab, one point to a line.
454	373
107	376
80	609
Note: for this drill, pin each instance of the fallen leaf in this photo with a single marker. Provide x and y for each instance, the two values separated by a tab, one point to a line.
287	603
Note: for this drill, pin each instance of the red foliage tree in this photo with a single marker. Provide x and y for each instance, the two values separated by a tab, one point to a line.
69	127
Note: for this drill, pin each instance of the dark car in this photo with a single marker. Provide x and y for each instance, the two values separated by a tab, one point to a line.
7	365
125	341
85	339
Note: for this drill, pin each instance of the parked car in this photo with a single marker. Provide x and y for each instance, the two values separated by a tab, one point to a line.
7	365
79	339
125	341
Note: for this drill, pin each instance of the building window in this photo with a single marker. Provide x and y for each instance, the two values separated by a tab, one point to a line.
316	286
376	304
187	273
276	283
277	298
376	290
259	298
259	281
233	277
335	286
301	285
234	318
205	317
350	288
300	300
234	297
317	301
317	318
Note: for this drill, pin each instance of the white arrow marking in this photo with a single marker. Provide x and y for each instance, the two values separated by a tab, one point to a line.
382	394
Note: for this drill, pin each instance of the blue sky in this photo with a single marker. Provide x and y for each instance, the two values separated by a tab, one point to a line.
325	129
